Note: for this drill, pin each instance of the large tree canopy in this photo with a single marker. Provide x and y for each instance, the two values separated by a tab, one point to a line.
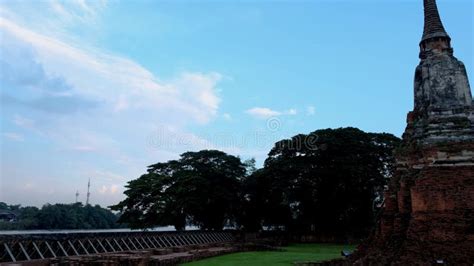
325	181
201	188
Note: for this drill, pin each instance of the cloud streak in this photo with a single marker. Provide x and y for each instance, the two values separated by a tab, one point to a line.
13	136
265	113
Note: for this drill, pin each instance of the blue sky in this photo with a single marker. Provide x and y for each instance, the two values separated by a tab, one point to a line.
102	89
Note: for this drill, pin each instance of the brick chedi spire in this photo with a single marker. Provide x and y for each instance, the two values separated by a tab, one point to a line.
428	212
433	25
435	38
442	91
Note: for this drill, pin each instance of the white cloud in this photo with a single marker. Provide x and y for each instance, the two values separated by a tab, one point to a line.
56	14
109	190
105	175
116	81
196	93
103	189
22	121
262	112
13	136
291	112
28	186
116	84
310	110
86	6
114	189
172	139
121	104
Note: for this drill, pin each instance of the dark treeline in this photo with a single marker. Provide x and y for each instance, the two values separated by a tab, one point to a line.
58	216
328	181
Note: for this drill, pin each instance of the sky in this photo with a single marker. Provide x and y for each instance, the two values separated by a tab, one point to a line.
102	89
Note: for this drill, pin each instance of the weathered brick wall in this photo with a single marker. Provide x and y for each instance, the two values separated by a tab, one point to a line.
429	209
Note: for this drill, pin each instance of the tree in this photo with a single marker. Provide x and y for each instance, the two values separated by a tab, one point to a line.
152	200
201	188
60	216
325	181
28	217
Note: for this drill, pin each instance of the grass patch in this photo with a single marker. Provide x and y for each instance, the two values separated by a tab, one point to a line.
292	253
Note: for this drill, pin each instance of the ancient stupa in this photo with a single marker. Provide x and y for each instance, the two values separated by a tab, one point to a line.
428	214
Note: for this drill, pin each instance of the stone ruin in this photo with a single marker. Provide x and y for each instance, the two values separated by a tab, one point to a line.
428	214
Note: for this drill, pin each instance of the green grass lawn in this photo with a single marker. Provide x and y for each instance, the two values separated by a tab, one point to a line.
292	253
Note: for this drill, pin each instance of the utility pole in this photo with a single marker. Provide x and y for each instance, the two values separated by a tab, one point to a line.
77	195
88	191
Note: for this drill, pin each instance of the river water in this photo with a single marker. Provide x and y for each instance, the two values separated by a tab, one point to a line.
119	230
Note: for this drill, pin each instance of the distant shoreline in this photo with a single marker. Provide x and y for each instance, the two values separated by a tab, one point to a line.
79	231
